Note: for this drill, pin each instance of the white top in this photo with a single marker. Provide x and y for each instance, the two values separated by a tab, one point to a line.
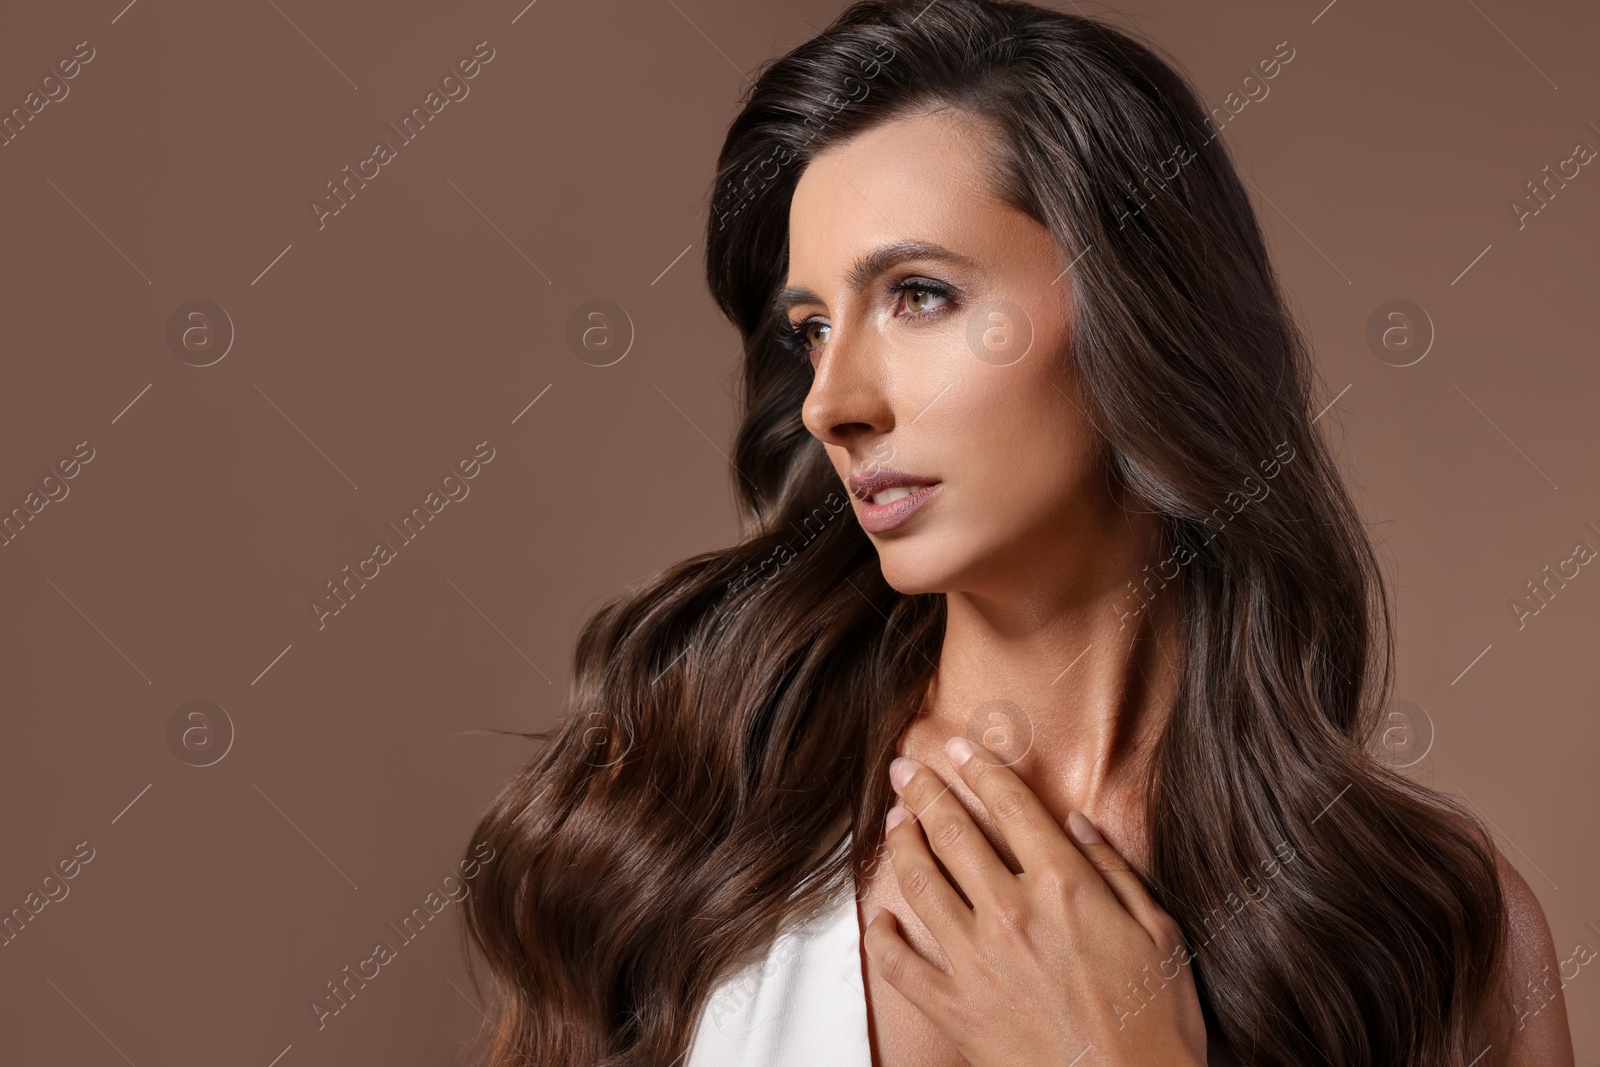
804	1004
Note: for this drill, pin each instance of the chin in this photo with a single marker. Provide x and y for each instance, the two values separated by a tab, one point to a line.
911	569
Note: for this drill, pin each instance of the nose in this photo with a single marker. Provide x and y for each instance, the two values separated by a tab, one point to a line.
847	402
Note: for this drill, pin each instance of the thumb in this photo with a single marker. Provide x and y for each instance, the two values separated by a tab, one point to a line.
1123	881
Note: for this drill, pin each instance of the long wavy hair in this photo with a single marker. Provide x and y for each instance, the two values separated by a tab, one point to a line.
722	768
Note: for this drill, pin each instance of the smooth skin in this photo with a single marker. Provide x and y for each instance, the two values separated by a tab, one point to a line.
1031	953
1034	552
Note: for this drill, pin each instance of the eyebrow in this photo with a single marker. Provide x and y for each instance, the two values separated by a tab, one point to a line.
869	266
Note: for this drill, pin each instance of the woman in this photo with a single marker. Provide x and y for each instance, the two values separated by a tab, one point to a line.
1003	296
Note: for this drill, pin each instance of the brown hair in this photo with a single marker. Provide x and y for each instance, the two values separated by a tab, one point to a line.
726	727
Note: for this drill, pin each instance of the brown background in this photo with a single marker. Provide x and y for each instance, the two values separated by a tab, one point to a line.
429	313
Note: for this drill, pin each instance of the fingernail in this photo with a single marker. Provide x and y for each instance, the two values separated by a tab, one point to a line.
896	816
872	913
959	750
901	770
1083	829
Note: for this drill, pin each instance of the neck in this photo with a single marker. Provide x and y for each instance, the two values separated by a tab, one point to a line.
1069	683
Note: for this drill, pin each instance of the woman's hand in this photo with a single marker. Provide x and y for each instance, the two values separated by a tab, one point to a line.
1069	962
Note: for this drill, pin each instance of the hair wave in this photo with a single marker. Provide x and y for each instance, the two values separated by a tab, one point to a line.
728	726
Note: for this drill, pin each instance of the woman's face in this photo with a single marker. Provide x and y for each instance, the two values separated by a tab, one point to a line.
939	337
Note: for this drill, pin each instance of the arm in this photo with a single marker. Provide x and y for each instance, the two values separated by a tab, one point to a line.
1533	1030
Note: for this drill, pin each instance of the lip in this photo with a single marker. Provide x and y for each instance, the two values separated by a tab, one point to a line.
880	518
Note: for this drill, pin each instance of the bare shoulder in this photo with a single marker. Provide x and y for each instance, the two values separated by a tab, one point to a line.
1530	1017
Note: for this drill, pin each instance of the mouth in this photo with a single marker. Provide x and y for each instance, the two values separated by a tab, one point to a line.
890	497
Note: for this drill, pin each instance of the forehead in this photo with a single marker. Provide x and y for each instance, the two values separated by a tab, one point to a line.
920	177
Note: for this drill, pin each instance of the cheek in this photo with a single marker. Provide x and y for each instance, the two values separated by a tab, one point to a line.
1021	450
1013	440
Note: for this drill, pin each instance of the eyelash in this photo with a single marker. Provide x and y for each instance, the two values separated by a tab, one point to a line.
791	335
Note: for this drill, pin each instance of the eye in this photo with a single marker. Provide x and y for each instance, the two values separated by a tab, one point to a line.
921	297
803	337
919	294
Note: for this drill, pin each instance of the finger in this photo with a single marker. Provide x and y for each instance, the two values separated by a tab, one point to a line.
951	833
924	886
919	981
1124	881
1025	824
